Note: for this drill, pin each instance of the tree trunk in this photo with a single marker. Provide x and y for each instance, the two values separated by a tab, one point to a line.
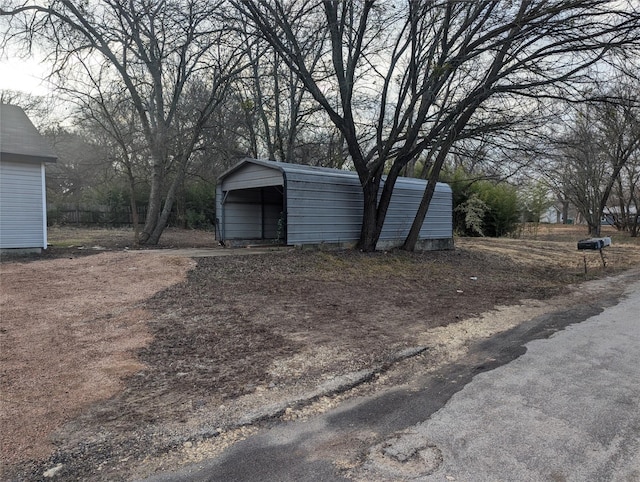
155	203
565	207
624	217
385	196
375	210
134	210
412	238
181	207
168	203
565	212
368	232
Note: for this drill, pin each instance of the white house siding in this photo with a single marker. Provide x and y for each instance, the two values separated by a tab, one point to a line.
22	205
552	215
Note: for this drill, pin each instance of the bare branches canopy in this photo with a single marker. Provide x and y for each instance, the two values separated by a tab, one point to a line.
170	61
401	81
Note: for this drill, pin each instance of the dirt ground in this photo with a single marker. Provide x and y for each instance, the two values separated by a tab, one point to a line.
116	363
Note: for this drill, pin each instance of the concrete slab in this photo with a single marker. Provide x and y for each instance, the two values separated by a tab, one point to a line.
208	252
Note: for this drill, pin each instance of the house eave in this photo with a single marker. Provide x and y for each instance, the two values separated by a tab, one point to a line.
26	158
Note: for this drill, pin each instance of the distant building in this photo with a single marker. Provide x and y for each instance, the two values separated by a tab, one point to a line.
613	216
553	215
23	206
261	201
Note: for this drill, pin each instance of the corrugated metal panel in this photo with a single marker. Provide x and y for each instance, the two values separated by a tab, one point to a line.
251	176
243	221
404	204
323	207
21	206
320	211
242	214
220	215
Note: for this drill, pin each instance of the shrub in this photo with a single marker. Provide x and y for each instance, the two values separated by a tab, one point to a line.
482	207
472	213
502	215
200	205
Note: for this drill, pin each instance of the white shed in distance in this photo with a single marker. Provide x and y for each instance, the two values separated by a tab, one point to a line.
261	201
23	203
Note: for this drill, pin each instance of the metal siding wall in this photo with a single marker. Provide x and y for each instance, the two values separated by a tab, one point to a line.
329	209
438	223
323	208
252	175
243	221
220	234
243	215
407	194
21	209
242	212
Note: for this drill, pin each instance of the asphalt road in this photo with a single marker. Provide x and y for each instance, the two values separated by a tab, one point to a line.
557	399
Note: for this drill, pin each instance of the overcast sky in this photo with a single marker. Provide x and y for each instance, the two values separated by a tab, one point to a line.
23	74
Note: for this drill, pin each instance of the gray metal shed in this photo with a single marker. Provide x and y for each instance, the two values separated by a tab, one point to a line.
269	201
23	205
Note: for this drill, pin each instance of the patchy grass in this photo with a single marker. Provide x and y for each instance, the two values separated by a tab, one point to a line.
573	233
236	333
120	238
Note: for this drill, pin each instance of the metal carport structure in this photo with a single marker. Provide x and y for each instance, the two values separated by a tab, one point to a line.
260	201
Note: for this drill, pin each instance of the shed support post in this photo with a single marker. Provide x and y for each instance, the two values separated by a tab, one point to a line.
262	213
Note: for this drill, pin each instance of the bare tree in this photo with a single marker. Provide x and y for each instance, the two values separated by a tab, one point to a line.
281	116
81	166
157	51
403	79
109	119
584	172
596	154
619	123
627	198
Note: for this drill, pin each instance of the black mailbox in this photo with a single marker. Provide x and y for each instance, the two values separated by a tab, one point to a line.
594	243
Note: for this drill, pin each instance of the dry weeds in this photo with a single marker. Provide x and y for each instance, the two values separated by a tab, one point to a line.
108	358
